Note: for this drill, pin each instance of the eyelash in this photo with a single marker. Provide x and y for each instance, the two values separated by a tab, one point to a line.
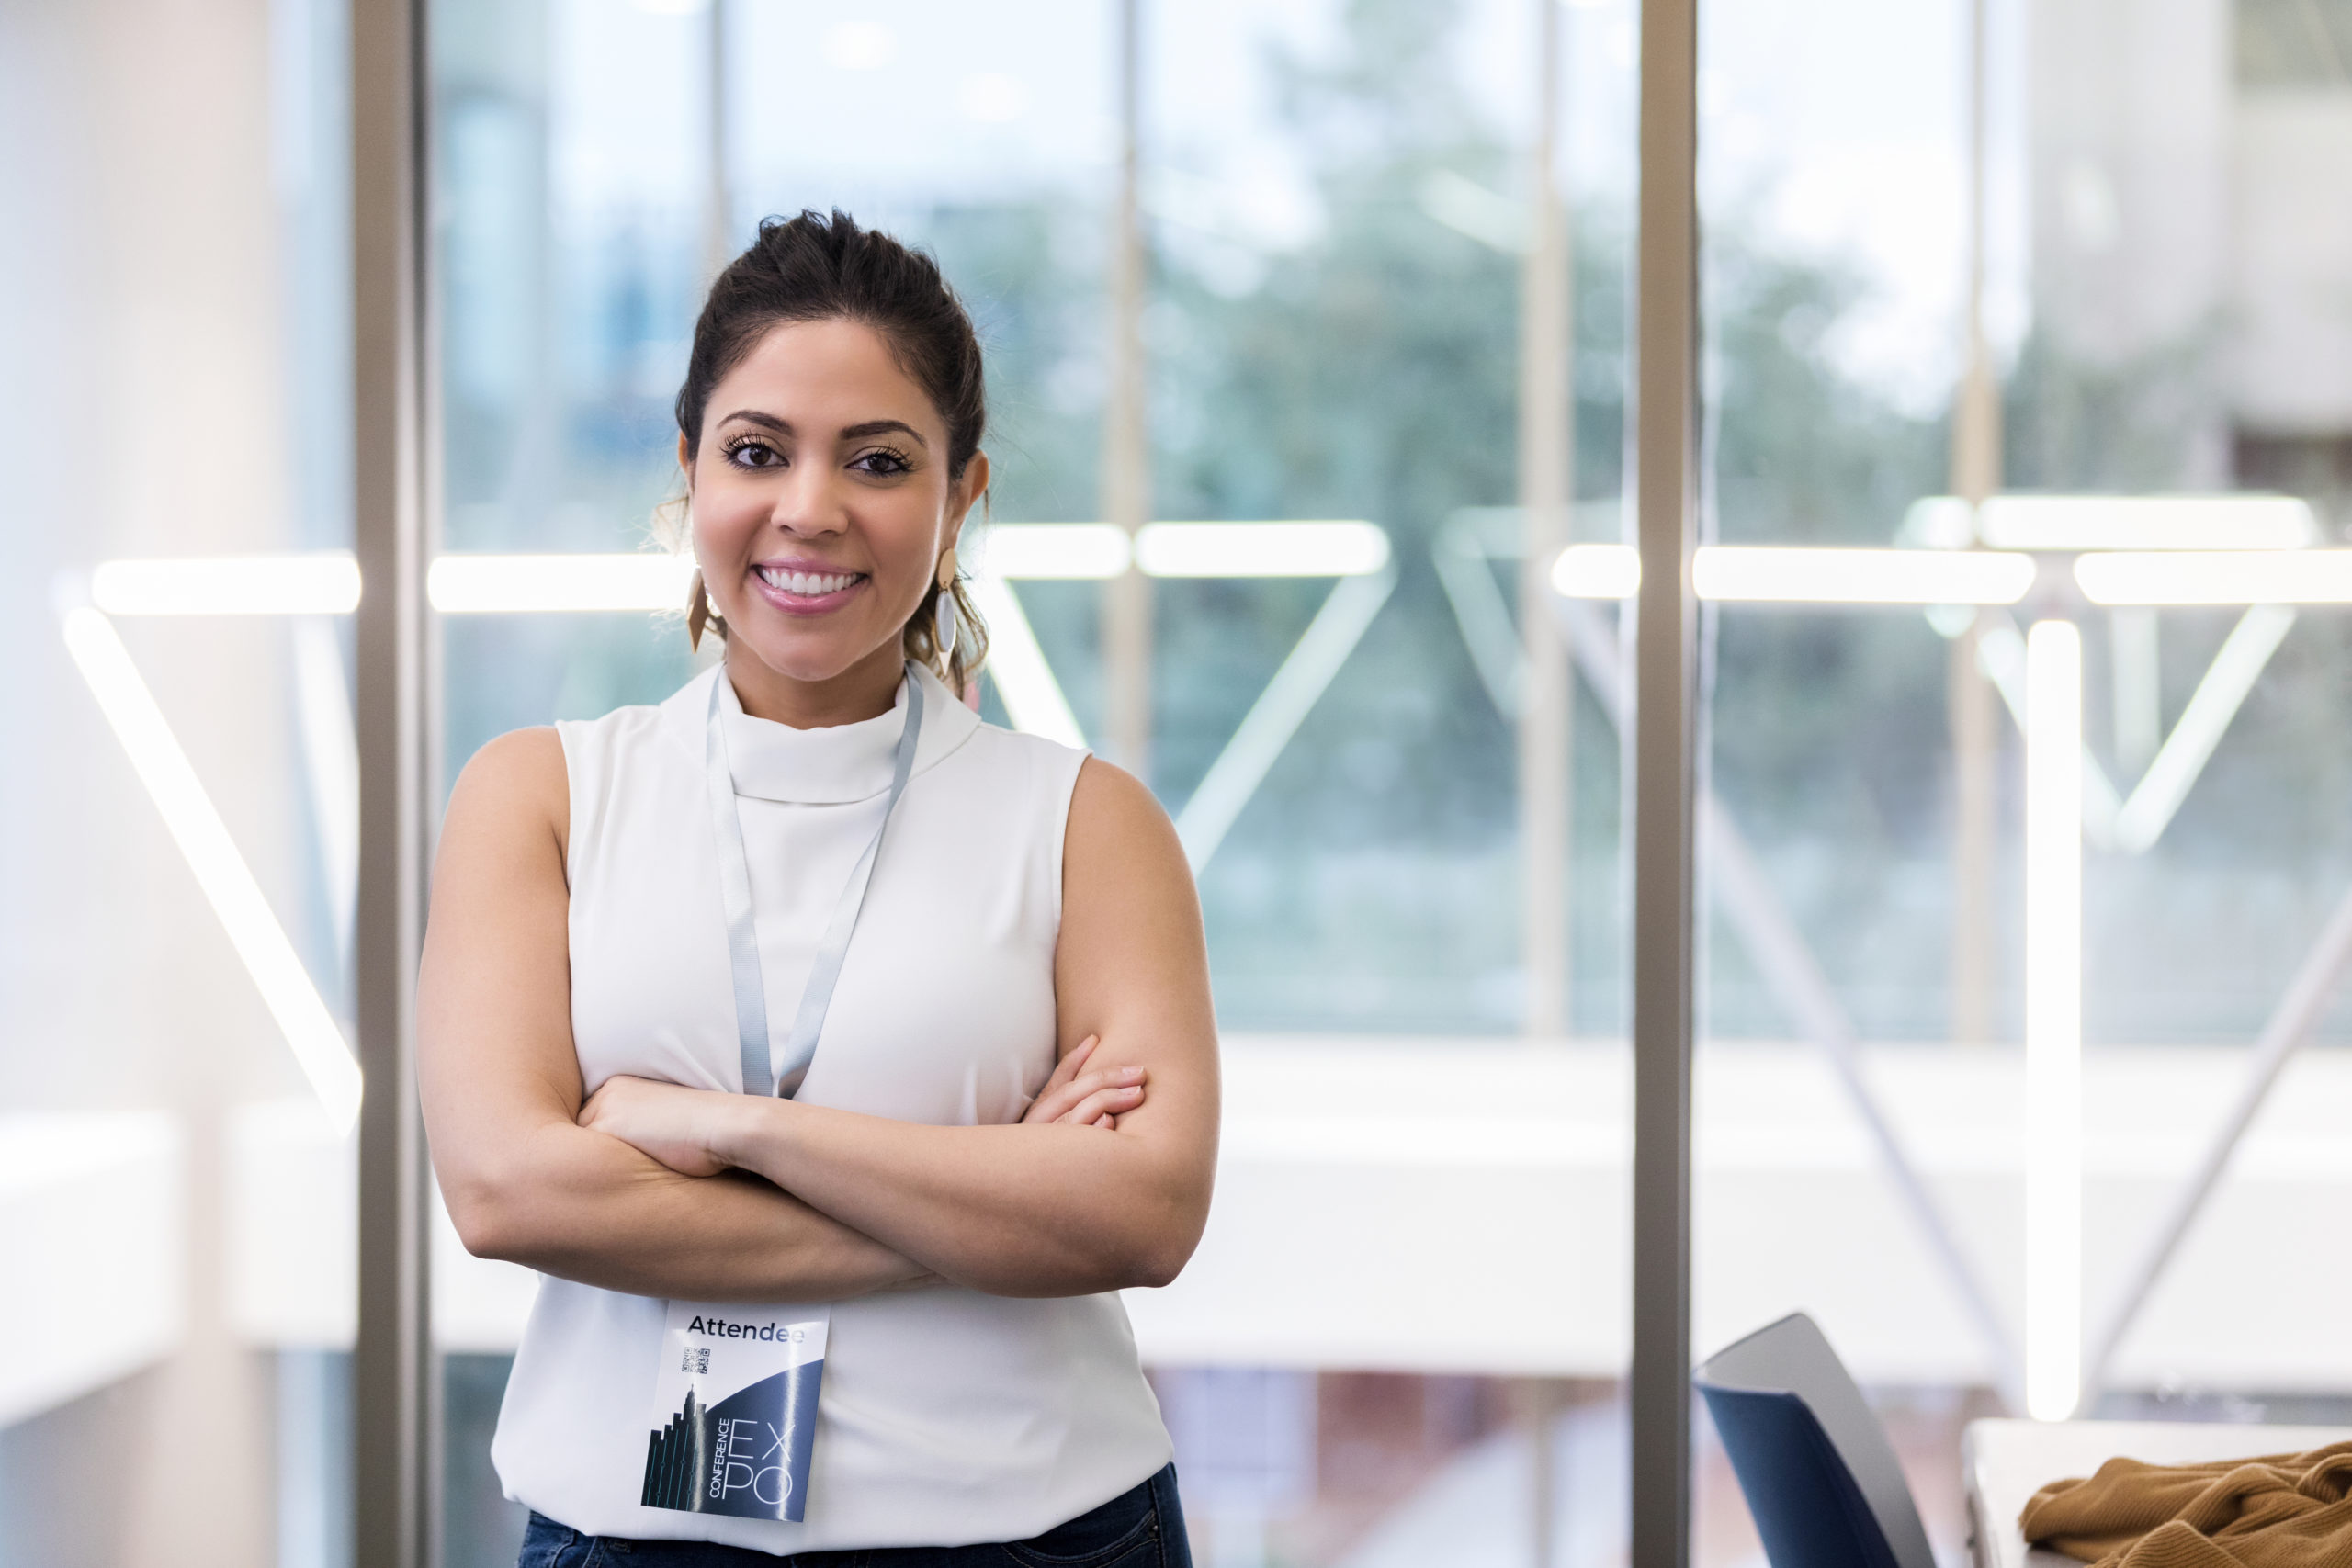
740	443
903	463
900	462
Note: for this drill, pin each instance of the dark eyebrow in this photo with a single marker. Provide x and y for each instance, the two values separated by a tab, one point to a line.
849	432
878	426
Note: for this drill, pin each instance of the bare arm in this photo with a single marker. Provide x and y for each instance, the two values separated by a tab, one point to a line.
500	1086
1061	1209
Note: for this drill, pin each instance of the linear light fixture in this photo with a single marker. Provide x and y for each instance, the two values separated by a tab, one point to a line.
315	582
2054	1019
1078	552
1033	698
1217	800
1740	573
221	873
1597	572
2275	570
1048	551
2244	654
2000	656
2071	523
488	584
326	582
331	757
1262	549
2217	577
1794	574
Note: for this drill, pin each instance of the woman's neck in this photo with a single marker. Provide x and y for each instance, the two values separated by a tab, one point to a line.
865	689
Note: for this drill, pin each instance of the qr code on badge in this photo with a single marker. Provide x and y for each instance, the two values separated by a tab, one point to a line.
697	1359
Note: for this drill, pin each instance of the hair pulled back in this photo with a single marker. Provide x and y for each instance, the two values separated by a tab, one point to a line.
819	269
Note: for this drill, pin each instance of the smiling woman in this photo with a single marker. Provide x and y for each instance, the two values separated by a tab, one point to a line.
834	1273
782	575
859	339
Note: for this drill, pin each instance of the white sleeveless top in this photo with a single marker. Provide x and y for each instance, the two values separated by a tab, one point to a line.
946	1416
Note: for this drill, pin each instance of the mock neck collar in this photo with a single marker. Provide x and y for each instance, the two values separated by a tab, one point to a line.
830	765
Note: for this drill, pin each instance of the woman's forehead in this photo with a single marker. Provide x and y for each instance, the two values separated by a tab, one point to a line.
823	366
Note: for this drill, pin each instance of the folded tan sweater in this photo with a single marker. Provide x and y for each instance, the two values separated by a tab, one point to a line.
2277	1511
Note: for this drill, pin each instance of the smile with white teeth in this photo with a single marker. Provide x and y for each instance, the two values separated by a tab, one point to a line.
808	585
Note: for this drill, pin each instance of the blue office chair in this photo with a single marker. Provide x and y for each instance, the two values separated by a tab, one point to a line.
1820	1478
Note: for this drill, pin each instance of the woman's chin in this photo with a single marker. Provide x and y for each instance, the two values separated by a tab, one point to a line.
811	659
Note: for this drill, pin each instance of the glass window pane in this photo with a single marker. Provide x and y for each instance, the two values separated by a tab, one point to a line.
2026	880
178	792
1403	1338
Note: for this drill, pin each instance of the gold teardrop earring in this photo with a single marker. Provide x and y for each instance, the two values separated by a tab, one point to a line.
701	612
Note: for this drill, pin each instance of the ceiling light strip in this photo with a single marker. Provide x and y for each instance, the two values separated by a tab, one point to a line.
227	883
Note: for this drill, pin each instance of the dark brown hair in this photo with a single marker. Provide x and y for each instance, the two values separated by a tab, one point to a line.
815	268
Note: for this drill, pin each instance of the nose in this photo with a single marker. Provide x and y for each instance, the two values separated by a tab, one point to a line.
810	503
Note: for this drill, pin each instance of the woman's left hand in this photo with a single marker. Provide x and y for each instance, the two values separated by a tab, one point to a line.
665	1121
1086	1100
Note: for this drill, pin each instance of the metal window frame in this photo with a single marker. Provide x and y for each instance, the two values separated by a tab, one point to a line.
1126	441
1664	787
396	1393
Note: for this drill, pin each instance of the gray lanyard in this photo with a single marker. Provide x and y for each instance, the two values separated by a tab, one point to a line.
742	936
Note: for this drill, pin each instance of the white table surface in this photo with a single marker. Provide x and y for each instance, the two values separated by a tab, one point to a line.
2006	1463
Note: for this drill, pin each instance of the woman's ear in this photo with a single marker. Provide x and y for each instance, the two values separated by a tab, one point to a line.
965	495
686	461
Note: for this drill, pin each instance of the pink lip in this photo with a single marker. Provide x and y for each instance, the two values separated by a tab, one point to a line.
792	603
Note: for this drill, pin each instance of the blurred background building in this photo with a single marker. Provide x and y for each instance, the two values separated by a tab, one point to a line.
1381	278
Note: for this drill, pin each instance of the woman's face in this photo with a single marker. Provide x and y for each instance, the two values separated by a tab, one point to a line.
821	501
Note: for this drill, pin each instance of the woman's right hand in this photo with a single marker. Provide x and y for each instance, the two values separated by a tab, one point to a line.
1086	1100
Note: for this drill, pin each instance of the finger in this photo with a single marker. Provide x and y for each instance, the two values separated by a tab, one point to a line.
1057	1103
1067	1068
1049	1102
1105	1101
1055	1106
1110	1077
1052	1107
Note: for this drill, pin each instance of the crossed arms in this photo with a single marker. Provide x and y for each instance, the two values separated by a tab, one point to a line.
658	1190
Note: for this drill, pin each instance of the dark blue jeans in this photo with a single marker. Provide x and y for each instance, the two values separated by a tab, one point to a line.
1141	1528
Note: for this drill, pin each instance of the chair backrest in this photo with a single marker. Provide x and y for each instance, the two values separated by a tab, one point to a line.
1821	1480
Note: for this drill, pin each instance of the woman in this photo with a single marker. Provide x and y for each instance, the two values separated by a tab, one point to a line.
833	1053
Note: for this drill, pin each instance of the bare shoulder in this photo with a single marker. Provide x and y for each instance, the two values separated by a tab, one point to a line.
517	784
1117	826
1131	962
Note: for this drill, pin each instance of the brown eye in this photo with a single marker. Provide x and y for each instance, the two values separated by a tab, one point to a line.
754	453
